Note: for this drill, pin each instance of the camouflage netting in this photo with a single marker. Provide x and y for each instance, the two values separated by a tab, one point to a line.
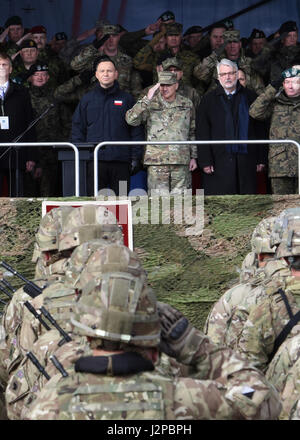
189	272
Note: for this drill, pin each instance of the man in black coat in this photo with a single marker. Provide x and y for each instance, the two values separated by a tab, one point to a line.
16	115
100	116
224	114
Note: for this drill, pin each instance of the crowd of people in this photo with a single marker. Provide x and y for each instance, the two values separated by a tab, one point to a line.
157	83
87	339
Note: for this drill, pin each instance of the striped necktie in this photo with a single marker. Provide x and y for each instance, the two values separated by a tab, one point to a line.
2	90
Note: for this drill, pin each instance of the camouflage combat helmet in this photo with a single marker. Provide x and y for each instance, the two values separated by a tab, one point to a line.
260	240
117	305
87	223
287	233
79	258
46	255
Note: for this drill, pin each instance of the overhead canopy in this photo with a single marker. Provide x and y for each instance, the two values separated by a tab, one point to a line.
76	16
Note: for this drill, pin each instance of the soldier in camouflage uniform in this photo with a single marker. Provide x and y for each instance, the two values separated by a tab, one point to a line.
59	234
59	299
129	79
14	30
50	128
118	378
174	65
284	372
283	106
275	319
222	325
166	115
280	54
206	71
173	34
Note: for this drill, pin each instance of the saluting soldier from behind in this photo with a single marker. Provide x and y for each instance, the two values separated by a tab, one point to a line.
281	102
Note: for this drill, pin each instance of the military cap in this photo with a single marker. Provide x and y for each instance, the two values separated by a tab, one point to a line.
28	44
38	30
290	73
193	30
232	35
173	29
110	29
100	23
60	36
39	68
166	77
288	26
169	62
256	33
166	16
13	21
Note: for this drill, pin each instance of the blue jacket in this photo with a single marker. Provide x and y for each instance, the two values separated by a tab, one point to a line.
100	116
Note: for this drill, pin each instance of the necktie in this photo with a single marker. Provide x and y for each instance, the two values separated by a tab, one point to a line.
2	89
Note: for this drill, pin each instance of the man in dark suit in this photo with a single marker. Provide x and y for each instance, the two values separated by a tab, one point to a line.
16	115
224	114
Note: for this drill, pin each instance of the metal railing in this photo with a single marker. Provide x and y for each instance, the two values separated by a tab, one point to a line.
47	144
102	144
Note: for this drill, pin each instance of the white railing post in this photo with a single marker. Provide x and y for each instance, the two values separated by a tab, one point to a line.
119	143
51	144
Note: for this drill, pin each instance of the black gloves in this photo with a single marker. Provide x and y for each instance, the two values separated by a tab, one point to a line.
175	330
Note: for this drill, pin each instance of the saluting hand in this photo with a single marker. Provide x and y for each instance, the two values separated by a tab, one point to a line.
151	91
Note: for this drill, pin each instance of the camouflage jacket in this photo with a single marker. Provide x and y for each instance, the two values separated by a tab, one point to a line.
73	90
166	121
285	124
129	79
206	72
267	319
50	127
272	61
217	389
284	372
225	322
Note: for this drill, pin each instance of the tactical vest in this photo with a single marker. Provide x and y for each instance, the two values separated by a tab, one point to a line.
99	397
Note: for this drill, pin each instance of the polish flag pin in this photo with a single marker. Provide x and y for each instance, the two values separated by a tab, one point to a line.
118	102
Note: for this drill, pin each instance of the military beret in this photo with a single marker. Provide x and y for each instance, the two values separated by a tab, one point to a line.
39	68
290	73
60	36
110	29
288	26
13	20
193	30
232	35
256	33
166	16
28	44
38	30
173	29
169	62
165	77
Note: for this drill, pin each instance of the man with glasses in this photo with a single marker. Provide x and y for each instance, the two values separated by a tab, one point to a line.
224	114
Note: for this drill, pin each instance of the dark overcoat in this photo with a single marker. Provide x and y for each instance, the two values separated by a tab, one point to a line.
234	173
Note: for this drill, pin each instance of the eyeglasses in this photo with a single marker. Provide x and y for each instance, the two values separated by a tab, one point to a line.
227	73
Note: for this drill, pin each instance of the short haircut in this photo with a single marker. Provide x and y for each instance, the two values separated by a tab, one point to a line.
217	26
102	59
4	56
226	62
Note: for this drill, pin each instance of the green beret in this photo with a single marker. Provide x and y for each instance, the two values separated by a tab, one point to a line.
290	73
